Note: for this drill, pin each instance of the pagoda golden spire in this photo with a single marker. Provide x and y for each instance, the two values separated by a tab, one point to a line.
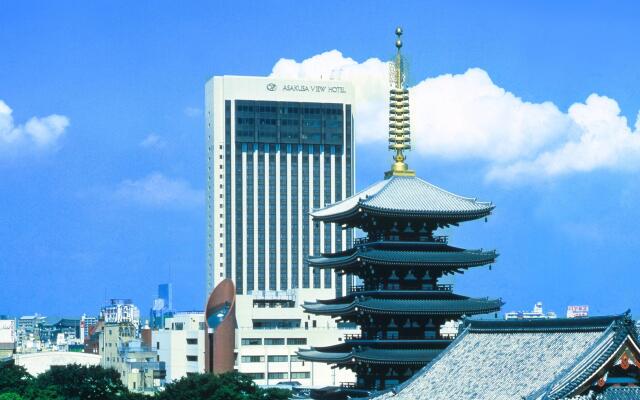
399	134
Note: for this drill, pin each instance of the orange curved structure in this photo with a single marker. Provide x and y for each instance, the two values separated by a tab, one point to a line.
220	328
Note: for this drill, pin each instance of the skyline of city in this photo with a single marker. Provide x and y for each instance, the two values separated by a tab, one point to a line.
104	190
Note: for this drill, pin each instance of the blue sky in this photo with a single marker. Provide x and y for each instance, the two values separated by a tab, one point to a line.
102	139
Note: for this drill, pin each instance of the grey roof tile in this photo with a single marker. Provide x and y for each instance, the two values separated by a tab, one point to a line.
408	196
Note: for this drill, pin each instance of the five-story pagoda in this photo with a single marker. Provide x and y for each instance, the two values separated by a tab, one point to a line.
401	305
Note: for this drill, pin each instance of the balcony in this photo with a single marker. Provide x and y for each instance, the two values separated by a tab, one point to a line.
438	287
364	240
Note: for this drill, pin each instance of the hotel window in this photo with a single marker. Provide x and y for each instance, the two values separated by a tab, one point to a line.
296	341
252	342
192	341
300	375
277	359
273	341
254	375
278	375
192	358
252	359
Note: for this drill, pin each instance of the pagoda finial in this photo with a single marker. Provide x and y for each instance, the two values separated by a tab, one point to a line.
399	134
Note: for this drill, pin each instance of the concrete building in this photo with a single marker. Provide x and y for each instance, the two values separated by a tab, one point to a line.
180	344
536	313
8	337
37	363
277	149
121	311
137	363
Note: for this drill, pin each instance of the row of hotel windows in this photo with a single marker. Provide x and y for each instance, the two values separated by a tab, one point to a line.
279	375
277	358
273	341
286	242
189	341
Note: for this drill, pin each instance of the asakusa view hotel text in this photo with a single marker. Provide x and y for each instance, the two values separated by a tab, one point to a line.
276	150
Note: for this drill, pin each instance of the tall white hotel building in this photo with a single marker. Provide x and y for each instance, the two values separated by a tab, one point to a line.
277	149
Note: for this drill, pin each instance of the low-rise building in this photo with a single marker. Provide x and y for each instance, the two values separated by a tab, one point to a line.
7	337
536	313
137	363
39	362
121	311
273	326
180	344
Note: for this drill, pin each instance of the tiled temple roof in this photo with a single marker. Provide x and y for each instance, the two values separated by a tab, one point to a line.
526	359
406	196
379	255
374	352
421	306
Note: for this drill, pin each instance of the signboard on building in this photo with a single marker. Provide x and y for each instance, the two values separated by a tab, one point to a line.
577	311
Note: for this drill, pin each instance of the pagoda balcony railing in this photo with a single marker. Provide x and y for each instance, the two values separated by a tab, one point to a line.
364	240
358	288
360	240
438	287
441	239
351	337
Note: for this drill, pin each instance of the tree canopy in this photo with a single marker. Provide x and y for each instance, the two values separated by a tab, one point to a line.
76	382
229	386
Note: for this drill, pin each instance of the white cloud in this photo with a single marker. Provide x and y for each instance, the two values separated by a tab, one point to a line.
156	190
192	112
468	116
37	133
153	141
369	79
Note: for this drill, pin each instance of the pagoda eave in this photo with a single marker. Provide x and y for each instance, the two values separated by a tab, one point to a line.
418	307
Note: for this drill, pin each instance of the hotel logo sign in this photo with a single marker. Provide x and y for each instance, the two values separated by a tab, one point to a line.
272	87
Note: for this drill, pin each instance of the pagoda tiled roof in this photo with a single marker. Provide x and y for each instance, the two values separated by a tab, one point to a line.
406	196
406	253
619	393
524	359
419	306
346	354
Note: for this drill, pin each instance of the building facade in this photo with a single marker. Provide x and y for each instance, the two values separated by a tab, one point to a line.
536	313
275	150
8	337
180	344
121	311
136	362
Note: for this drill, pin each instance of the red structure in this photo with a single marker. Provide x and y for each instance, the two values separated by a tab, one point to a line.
220	325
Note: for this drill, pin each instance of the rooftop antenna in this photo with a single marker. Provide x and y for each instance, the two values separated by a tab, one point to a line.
399	134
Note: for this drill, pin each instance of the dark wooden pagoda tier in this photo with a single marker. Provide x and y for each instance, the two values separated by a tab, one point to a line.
435	256
418	304
368	352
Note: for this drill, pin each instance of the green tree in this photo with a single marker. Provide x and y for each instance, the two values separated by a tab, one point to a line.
13	378
10	396
34	392
77	382
229	386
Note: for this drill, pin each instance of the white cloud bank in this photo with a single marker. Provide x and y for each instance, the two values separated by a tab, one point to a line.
153	141
467	116
36	133
156	190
